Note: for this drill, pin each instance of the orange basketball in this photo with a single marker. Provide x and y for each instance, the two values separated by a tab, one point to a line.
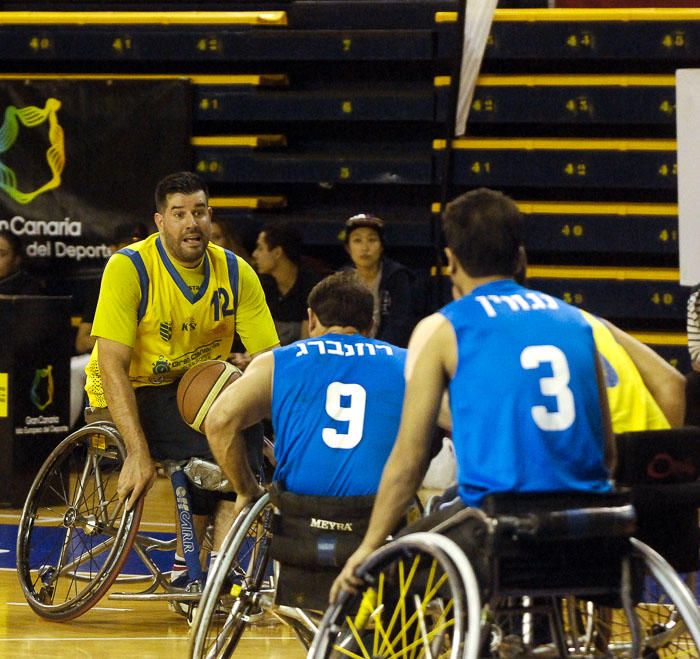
199	388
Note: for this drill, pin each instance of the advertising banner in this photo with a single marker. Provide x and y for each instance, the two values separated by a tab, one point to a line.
34	387
79	157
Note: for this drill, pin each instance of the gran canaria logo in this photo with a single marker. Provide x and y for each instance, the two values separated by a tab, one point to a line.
30	117
42	388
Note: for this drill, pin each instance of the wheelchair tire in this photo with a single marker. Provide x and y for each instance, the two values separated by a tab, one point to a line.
667	612
232	594
664	611
74	535
420	597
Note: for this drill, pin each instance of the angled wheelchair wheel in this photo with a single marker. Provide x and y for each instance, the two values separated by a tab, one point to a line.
237	584
74	534
664	613
419	598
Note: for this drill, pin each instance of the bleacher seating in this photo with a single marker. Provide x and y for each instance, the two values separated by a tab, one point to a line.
315	110
574	116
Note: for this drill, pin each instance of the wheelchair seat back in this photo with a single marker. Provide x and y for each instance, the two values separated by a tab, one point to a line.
312	537
661	468
558	543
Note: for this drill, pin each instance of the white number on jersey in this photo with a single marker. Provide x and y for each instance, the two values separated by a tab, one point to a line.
353	412
555	385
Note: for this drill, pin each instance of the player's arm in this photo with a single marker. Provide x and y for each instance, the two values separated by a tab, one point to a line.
138	472
115	327
434	352
664	382
243	403
254	322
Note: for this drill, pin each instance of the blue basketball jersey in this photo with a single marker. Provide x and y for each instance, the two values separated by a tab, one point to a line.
336	407
524	398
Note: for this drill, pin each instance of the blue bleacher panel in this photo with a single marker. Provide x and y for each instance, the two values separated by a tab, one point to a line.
630	294
596	228
564	163
633	39
574	102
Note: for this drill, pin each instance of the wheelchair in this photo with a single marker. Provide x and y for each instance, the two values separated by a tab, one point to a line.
270	564
75	536
559	575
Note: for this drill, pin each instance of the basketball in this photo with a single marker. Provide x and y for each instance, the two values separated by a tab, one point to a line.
199	388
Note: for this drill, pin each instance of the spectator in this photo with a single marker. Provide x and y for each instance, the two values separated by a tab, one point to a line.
390	282
224	235
14	280
286	282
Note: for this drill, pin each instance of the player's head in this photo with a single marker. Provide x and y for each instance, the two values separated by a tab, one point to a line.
483	231
277	239
342	300
183	216
186	183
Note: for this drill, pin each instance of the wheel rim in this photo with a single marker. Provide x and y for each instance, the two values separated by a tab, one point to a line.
74	534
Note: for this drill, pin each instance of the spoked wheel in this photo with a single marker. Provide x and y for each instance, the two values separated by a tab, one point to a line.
237	584
664	612
668	614
416	602
74	534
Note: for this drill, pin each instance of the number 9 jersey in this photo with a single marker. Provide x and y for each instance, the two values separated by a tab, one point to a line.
524	398
336	408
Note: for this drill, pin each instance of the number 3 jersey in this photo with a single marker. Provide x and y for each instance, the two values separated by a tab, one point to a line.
524	398
336	407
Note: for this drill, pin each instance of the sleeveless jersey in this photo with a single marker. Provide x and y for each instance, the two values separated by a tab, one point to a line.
632	407
524	398
336	407
169	326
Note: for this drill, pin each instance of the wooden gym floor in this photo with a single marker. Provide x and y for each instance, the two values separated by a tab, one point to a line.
115	629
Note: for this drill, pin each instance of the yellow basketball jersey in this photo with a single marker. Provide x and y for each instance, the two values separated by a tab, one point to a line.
632	407
171	324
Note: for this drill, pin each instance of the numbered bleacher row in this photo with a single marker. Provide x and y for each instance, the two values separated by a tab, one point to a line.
312	110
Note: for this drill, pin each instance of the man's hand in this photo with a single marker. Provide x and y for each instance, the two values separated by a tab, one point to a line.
136	478
246	500
347	579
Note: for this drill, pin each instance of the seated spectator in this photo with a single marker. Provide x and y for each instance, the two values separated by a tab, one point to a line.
286	282
14	280
224	235
390	282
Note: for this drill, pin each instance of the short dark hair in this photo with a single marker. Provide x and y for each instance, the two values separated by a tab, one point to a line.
182	182
14	241
484	230
286	236
342	299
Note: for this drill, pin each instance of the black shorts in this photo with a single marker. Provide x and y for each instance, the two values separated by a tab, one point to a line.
170	438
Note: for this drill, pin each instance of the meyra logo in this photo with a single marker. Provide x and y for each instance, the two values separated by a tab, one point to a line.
328	525
31	117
